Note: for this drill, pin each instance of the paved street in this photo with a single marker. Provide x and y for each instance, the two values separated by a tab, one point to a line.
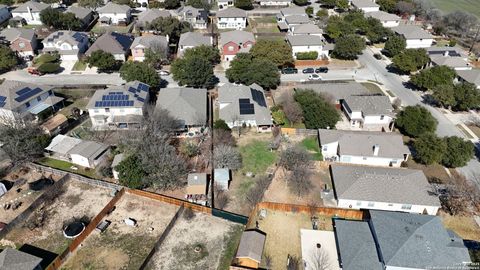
64	79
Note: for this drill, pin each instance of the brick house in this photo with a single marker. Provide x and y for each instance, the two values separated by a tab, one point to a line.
234	42
22	41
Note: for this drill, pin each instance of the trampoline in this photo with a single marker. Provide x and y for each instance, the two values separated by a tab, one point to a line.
73	229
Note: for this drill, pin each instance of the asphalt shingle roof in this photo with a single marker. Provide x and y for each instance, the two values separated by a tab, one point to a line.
194	39
151	14
297	19
305	40
186	104
382	16
236	36
34	7
9	89
370	105
308	28
114	43
471	76
449	61
251	245
232	12
412	32
148	41
293	11
12	259
11	34
111	7
80	12
364	3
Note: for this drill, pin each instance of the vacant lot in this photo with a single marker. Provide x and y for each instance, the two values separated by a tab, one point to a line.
435	173
471	6
75	200
197	243
122	246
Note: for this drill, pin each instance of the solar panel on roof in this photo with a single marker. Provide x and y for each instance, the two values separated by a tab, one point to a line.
22	91
258	97
246	109
28	94
131	89
140	99
2	98
244	100
2	104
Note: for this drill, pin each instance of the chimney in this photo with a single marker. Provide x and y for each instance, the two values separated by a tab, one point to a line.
376	148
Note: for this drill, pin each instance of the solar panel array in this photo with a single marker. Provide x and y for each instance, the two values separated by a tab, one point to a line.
115	97
2	101
245	106
114	103
258	97
26	93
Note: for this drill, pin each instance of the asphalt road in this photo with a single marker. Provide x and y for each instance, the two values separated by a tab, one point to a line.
64	79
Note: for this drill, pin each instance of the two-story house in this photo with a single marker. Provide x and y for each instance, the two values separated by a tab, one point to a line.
197	17
308	43
232	18
70	45
21	40
363	147
365	5
190	40
274	3
234	42
29	12
119	107
307	29
143	43
224	4
115	14
114	43
296	12
85	15
388	20
241	105
146	17
374	113
19	99
4	13
415	36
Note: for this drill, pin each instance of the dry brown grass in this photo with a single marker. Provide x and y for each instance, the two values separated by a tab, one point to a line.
464	226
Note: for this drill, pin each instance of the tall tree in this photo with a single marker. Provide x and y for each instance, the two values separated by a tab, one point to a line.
387	5
458	153
416	120
130	172
170	26
467	97
246	69
93	4
172	4
429	149
193	70
276	51
225	156
139	71
444	95
244	4
317	112
395	45
348	47
8	59
337	27
207	52
411	60
104	61
432	77
156	55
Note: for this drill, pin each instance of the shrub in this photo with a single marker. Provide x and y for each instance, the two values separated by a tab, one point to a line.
307	55
48	67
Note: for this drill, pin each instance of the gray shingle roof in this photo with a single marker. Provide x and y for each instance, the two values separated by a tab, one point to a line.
151	14
70	37
197	179
297	19
12	259
383	16
370	105
232	12
114	43
231	94
452	51
338	91
416	241
80	12
305	40
412	32
360	143
356	246
449	61
236	36
11	34
186	104
34	7
471	76
189	12
251	245
9	89
364	3
136	91
89	149
194	39
111	7
148	41
293	11
377	184
308	28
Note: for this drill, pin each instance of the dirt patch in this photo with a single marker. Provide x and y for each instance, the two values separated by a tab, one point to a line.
464	226
434	173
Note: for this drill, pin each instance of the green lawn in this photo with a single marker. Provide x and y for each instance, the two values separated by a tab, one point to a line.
257	157
471	6
265	19
231	240
311	145
79	66
272	29
98	28
66	166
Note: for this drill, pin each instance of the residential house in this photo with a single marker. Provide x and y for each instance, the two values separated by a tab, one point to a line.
380	188
54	125
274	3
415	36
290	11
471	76
188	105
369	112
337	92
221	178
18	260
29	12
250	250
308	43
116	160
197	17
190	40
141	4
197	188
119	107
19	99
22	41
87	154
318	245
85	15
365	5
363	147
294	21
307	29
115	14
149	15
143	43
388	20
296	14
232	18
4	13
70	45
395	240
224	4
244	105
114	43
456	63
234	42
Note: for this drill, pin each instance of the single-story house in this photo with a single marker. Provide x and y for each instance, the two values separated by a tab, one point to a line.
471	76
149	15
191	40
142	43
232	18
70	45
115	14
250	250
29	12
244	105
83	14
365	5
197	188
188	105
457	63
116	160
307	43
221	178
294	11
395	240
374	113
233	42
388	20
307	29
337	92
363	147
54	125
14	259
114	43
21	40
318	247
87	154
415	36
380	188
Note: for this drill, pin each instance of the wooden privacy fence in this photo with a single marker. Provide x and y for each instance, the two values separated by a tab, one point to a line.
299	131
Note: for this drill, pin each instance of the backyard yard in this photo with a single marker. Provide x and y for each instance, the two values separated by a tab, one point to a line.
446	6
74	98
264	24
67	166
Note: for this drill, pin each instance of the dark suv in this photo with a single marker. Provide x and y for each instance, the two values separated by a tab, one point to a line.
289	70
308	70
321	70
378	56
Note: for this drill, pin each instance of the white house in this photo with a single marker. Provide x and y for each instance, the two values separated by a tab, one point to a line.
119	107
274	3
363	147
197	17
415	36
232	18
318	247
379	188
190	40
307	43
115	43
224	4
87	154
30	12
115	14
19	99
69	44
388	20
369	112
306	29
4	13
365	5
244	105
471	76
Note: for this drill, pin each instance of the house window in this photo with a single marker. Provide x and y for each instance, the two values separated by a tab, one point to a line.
21	45
371	204
27	104
359	203
325	148
39	98
50	93
230	48
382	117
406	207
364	158
96	111
107	109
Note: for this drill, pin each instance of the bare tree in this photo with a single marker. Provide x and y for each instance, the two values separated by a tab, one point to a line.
293	263
291	108
268	261
462	195
404	7
294	157
221	136
460	21
299	181
157	54
221	197
319	259
255	194
225	156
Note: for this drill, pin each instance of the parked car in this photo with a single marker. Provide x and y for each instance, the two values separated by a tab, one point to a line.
314	77
378	56
163	73
308	70
289	70
321	70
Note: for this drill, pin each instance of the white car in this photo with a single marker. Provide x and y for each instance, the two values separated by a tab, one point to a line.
163	73
314	77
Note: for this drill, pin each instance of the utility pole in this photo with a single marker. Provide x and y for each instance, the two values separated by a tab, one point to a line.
474	39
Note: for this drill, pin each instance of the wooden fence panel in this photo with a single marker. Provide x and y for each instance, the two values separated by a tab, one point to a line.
327	211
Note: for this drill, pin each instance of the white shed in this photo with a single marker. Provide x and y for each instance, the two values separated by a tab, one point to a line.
222	178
